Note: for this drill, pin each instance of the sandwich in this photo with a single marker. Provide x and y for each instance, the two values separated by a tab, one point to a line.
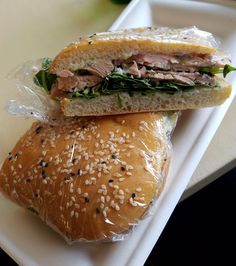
137	70
90	179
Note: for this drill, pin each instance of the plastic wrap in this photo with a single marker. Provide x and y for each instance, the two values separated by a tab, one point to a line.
91	179
33	101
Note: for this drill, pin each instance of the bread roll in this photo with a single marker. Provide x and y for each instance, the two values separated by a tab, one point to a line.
89	179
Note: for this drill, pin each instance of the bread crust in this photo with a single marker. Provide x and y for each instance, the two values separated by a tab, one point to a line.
89	179
125	43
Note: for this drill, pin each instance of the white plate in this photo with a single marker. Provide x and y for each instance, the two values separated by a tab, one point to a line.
30	242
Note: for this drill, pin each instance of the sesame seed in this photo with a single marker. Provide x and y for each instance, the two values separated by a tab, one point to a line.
117	175
20	166
76	215
102	199
121	179
73	198
121	192
45	181
72	214
128	173
122	122
97	210
139	189
108	198
60	193
103	186
83	210
79	190
117	208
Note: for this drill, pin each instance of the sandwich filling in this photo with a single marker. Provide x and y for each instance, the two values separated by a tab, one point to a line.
140	73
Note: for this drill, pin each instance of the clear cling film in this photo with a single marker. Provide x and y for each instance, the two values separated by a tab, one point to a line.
31	100
91	179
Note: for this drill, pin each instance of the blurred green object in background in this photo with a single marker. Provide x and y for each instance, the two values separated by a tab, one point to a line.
121	1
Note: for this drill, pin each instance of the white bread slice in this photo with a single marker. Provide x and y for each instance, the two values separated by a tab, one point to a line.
125	43
158	101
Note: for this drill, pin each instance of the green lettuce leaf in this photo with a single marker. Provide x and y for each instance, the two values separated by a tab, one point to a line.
217	70
43	78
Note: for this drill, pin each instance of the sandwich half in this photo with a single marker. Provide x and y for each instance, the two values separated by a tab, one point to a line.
137	70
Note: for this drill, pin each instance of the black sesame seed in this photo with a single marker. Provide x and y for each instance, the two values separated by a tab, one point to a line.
28	180
113	156
133	195
42	141
90	42
103	162
74	160
43	163
31	113
72	174
37	130
86	199
9	153
36	195
43	172
110	180
51	126
97	210
122	168
79	172
72	132
16	155
165	160
10	158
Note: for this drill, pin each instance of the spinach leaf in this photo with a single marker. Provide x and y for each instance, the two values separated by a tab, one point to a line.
118	82
227	69
44	78
217	70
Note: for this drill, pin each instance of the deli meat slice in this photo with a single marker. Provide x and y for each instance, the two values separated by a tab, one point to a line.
102	68
71	82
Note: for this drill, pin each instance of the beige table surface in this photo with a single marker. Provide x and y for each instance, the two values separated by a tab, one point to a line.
34	29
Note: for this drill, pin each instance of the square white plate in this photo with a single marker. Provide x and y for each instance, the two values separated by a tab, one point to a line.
30	242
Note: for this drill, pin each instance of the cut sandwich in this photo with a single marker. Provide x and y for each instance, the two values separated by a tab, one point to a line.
137	70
